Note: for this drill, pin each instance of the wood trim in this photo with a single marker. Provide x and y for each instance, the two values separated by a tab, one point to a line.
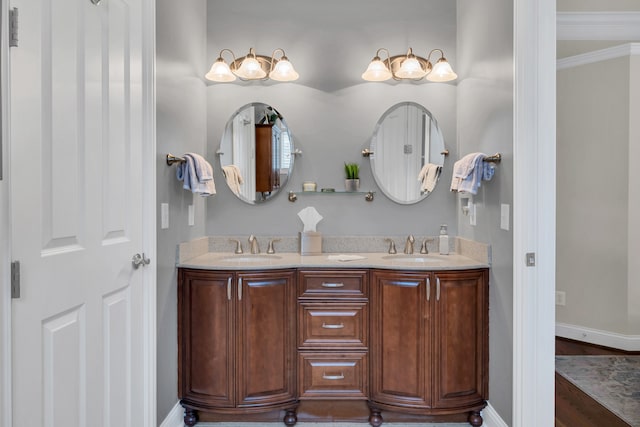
149	231
534	193
598	337
598	25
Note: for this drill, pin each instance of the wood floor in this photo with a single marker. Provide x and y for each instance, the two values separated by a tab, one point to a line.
574	408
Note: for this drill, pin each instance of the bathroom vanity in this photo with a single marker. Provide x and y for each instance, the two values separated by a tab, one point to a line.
309	338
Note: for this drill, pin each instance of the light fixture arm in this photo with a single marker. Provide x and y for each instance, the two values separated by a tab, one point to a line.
227	50
433	50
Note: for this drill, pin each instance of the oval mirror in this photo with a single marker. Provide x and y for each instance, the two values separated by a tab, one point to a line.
256	153
408	153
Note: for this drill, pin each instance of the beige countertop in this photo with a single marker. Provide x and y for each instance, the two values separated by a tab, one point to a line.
416	261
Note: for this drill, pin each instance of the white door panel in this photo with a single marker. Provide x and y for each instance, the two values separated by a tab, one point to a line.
76	84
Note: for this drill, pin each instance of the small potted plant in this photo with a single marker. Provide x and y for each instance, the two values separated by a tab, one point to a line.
352	173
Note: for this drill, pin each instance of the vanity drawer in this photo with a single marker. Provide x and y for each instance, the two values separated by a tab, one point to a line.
333	284
329	325
328	375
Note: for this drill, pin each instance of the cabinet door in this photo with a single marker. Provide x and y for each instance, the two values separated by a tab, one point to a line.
267	331
401	341
206	338
461	338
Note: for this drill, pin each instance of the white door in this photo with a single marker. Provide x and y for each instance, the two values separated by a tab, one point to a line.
77	205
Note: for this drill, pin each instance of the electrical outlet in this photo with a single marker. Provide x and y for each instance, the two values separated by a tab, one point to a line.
561	298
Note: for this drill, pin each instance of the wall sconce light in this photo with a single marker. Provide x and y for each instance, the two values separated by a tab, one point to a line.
252	67
409	67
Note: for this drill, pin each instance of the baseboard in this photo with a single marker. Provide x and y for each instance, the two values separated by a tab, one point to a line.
597	337
492	418
175	417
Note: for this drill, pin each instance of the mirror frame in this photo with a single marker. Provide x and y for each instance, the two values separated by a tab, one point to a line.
441	151
226	141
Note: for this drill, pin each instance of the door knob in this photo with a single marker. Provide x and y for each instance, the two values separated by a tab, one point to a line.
140	260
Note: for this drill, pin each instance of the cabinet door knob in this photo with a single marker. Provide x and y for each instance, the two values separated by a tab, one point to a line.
240	289
437	289
229	288
428	289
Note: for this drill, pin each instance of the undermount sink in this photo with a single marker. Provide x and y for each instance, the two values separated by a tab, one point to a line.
248	258
411	258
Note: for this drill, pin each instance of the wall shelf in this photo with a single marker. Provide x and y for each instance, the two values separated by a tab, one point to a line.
368	195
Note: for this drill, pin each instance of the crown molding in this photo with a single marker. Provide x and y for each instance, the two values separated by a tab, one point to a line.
598	26
620	51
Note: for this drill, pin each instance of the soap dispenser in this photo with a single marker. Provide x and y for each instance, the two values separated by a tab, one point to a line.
444	240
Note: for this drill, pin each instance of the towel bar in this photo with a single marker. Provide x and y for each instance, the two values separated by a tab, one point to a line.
171	159
493	159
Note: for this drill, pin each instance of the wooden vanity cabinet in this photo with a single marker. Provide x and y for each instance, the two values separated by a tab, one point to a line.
429	343
236	342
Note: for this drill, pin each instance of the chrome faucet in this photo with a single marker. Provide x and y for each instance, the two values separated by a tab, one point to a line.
408	246
253	241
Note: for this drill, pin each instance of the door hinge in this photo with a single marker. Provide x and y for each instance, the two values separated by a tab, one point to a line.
13	27
15	279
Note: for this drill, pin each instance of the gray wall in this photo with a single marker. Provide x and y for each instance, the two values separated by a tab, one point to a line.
485	123
596	199
332	115
332	112
181	127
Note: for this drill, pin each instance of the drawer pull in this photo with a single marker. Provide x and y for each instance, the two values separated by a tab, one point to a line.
332	285
329	326
333	377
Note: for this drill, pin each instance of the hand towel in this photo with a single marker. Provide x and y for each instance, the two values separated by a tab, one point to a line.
468	173
233	177
428	177
196	174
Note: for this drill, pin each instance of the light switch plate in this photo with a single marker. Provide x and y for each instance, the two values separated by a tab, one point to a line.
164	216
191	215
504	216
472	214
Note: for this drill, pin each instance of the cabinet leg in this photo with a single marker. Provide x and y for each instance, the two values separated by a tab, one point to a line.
190	417
375	417
290	417
475	419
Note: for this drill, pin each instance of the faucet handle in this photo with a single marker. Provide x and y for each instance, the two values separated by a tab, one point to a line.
392	246
423	248
270	249
238	245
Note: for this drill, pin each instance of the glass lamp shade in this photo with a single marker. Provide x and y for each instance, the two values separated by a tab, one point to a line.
283	71
442	72
411	69
377	71
220	72
250	69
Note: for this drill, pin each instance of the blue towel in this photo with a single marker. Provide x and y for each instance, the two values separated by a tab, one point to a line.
469	172
196	174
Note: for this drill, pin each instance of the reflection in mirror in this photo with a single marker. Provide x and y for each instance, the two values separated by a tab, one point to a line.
256	153
408	153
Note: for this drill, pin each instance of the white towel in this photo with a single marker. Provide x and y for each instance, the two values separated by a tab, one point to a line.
428	177
233	177
196	174
467	173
